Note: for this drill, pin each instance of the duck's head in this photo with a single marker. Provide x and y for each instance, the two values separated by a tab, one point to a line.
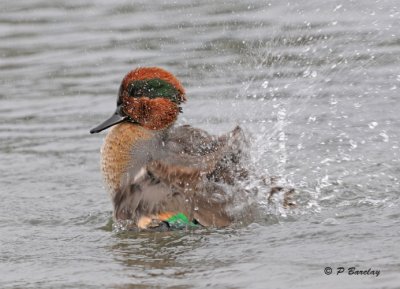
148	96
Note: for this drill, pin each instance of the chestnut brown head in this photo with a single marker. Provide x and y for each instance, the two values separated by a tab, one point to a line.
148	96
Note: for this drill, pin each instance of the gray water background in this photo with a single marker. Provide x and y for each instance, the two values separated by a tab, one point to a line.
315	83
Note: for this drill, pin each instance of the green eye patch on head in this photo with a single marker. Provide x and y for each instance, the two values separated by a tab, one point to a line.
153	88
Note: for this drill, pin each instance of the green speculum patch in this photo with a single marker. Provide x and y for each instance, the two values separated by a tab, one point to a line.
153	88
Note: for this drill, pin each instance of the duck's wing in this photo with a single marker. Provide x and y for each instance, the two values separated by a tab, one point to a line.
202	166
198	146
204	201
177	179
162	187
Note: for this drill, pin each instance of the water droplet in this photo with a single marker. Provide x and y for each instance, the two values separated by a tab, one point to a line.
312	119
306	73
337	7
384	136
353	144
333	101
326	161
314	74
265	84
281	114
373	125
196	208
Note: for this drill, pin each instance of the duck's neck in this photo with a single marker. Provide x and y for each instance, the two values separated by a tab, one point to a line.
116	152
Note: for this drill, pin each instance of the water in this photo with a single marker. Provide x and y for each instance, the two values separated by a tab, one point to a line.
315	83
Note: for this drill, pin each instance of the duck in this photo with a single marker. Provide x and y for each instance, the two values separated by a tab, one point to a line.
160	175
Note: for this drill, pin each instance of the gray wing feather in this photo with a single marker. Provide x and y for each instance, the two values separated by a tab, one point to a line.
181	170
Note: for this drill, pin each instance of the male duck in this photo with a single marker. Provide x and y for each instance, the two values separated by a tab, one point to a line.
158	173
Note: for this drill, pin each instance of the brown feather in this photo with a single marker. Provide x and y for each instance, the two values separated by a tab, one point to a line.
177	170
154	114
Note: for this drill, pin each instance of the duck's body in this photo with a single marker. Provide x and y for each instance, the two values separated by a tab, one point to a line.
175	170
156	171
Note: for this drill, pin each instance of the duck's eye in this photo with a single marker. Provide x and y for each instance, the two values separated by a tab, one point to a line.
137	90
